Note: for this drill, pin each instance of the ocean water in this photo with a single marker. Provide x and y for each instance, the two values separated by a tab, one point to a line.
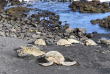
75	19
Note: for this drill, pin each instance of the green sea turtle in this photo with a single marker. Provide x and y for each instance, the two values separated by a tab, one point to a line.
56	57
67	42
40	42
51	56
63	42
104	41
29	50
89	42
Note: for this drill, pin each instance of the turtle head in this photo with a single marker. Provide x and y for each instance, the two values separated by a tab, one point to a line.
87	43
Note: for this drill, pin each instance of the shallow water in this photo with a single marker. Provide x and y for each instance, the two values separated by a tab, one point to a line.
75	19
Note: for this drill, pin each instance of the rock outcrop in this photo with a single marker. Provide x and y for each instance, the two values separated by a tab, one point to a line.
105	22
15	2
89	6
17	11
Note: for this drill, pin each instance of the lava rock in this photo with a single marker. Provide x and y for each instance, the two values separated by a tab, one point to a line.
105	22
17	11
90	6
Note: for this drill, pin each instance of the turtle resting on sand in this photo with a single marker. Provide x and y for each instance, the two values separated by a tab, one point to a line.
29	50
104	41
63	42
89	42
56	57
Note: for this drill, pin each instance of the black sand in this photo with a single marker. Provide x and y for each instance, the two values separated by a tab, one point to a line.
91	59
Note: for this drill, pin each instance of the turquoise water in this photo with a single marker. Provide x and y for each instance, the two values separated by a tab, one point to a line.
75	19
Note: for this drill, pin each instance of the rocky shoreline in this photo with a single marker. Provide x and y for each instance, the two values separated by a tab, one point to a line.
44	28
90	6
44	25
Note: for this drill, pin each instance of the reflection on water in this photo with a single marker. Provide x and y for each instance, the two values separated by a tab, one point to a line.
75	19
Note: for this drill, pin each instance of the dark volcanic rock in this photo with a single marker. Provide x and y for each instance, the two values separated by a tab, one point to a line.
105	22
90	6
3	3
95	21
15	2
17	11
45	25
80	32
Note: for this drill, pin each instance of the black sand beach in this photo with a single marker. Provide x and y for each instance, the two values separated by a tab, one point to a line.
16	29
90	59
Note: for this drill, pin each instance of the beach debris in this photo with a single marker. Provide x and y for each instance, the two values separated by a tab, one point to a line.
56	57
104	41
29	50
40	42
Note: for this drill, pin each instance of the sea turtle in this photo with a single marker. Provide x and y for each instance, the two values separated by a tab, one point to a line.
40	42
73	41
67	42
89	42
104	41
64	42
56	57
29	50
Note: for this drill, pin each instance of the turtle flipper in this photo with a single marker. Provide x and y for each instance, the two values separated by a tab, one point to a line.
68	63
47	64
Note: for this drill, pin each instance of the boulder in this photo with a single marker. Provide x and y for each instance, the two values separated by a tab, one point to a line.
105	22
3	3
80	32
95	21
105	5
17	11
90	6
83	30
69	30
90	35
14	2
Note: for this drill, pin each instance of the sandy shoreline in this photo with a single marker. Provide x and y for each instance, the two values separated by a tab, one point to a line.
90	60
